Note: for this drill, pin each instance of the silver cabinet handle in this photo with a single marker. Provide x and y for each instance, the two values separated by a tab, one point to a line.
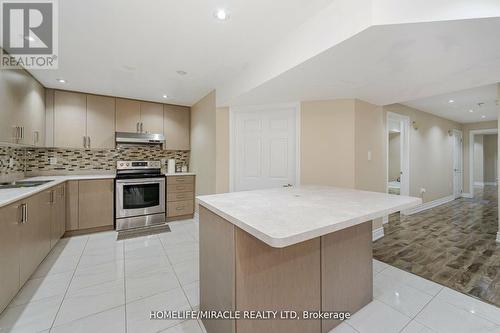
18	133
141	127
137	127
84	142
52	197
24	213
88	142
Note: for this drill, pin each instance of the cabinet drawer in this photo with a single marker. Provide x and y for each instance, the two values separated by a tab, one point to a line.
180	180
179	208
171	188
180	196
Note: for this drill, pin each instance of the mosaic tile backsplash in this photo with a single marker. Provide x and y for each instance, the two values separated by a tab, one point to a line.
37	160
11	169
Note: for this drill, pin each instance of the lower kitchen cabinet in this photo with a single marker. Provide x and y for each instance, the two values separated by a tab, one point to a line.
58	214
89	204
35	230
9	253
180	197
95	203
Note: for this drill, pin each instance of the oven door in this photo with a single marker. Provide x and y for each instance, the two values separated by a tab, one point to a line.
138	197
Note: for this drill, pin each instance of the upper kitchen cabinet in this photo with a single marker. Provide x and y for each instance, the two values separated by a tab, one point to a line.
82	121
138	117
100	121
176	122
22	115
151	118
70	119
128	115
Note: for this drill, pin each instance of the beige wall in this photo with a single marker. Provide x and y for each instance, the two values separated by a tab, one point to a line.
327	143
222	151
203	143
431	153
466	132
369	125
394	156
478	159
490	143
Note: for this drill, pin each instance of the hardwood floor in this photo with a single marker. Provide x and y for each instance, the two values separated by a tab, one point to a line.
453	244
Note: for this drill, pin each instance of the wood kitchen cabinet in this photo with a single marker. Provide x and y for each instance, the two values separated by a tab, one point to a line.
100	121
151	118
70	118
180	197
128	115
9	253
34	233
22	115
176	124
95	203
29	228
136	117
58	214
83	121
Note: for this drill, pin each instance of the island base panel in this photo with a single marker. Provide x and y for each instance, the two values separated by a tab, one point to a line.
240	272
217	269
351	287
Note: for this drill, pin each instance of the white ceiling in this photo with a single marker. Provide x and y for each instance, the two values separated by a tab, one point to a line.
392	63
463	102
134	48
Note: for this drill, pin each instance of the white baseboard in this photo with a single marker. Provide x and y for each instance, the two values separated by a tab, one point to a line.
377	233
498	237
385	219
467	195
428	205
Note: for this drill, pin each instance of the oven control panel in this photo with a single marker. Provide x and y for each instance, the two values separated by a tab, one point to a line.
131	165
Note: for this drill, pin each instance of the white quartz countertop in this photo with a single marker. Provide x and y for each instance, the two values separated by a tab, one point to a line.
10	195
286	216
180	174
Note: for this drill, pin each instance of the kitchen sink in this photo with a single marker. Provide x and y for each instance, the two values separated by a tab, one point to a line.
23	183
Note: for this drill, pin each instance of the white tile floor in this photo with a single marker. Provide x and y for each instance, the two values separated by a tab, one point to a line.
96	284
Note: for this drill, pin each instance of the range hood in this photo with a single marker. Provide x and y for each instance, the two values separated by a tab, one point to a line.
148	138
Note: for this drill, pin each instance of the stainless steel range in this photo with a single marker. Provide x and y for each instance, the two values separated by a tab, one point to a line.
140	194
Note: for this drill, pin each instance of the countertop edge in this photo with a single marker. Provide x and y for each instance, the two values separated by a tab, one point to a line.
308	235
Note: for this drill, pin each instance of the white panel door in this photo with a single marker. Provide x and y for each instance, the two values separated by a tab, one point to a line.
457	164
264	152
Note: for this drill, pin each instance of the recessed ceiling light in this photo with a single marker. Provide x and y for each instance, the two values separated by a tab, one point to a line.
180	72
451	101
471	111
483	116
61	80
221	15
165	96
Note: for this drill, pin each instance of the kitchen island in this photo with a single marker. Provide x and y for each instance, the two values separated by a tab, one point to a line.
289	249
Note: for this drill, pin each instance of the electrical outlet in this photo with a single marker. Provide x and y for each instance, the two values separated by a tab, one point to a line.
52	160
